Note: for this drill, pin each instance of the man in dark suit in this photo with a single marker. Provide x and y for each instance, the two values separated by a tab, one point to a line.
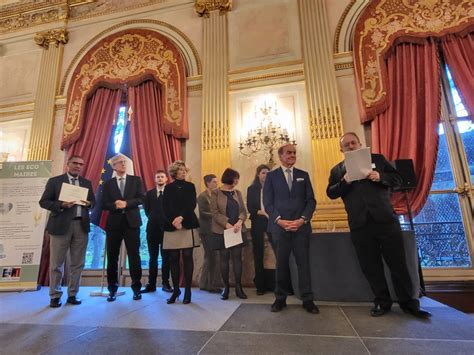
68	226
289	200
121	197
375	229
154	235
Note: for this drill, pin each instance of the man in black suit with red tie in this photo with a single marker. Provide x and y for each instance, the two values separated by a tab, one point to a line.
289	200
68	228
121	197
154	235
375	229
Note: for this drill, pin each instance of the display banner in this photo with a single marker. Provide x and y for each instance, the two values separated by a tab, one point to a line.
22	222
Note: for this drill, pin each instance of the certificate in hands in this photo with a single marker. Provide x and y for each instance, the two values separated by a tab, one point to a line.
358	163
231	238
70	193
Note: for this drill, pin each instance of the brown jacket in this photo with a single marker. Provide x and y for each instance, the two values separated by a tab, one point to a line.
218	208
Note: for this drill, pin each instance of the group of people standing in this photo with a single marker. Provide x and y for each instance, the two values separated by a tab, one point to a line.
281	203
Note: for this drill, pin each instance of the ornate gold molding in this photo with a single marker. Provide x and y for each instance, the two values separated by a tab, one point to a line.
285	74
29	13
266	66
339	25
15	112
33	16
52	37
15	104
203	7
197	87
343	66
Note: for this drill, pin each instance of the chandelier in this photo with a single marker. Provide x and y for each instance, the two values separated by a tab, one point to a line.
267	137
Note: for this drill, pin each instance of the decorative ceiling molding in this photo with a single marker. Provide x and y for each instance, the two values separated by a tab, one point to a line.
25	14
343	38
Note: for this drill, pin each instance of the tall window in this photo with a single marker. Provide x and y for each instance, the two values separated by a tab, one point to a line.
444	225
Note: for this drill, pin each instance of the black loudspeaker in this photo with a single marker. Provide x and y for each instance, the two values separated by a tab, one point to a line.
407	171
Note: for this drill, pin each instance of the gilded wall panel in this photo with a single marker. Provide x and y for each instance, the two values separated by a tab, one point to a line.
19	68
263	32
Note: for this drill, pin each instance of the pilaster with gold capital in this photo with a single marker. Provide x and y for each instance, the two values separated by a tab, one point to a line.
204	7
215	155
52	42
324	109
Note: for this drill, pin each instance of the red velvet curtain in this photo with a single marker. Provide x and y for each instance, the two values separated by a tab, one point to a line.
459	54
101	111
152	149
408	128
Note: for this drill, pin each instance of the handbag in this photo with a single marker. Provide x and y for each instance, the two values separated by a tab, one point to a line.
181	239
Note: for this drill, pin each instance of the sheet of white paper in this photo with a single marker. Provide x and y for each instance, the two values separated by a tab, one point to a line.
231	238
358	164
74	193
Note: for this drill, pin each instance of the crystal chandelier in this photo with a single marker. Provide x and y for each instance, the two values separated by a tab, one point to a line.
268	136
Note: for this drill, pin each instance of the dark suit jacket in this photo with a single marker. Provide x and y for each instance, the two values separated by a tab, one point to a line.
154	211
219	210
365	197
279	201
60	219
134	196
179	199
259	222
205	215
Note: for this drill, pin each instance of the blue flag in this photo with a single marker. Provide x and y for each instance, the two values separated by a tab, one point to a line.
98	215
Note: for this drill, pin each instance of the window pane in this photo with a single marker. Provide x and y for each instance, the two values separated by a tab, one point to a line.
95	248
458	104
440	233
466	129
144	256
443	176
119	129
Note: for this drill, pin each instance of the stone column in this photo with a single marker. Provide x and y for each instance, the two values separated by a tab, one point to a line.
215	116
52	42
324	109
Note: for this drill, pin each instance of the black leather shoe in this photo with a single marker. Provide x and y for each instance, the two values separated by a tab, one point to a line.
310	307
260	293
378	310
73	300
187	296
417	312
166	288
112	297
225	293
55	303
137	296
148	288
239	292
214	290
278	306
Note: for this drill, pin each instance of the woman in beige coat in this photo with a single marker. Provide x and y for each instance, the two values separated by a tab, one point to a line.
228	211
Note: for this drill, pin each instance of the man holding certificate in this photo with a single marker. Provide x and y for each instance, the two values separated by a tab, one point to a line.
364	183
68	197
